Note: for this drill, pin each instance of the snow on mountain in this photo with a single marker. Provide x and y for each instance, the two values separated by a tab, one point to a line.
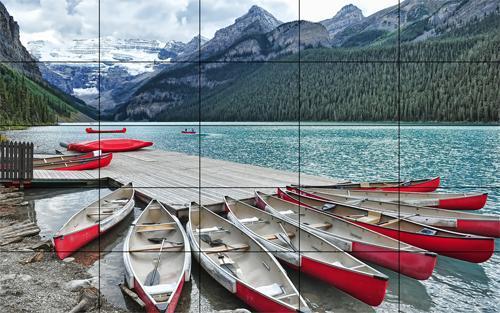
74	68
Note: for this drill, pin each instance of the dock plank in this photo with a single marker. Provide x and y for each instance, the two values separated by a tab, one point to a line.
175	178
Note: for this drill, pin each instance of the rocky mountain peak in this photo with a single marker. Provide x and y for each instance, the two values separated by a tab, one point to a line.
255	21
11	48
349	9
347	16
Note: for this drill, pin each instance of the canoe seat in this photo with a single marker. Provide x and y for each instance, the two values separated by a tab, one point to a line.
156	247
117	201
394	221
160	289
274	237
224	248
94	214
371	218
320	225
155	227
272	290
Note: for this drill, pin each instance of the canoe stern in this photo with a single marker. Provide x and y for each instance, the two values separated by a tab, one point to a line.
66	245
367	288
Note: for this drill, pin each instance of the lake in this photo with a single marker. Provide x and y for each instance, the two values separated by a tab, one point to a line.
466	157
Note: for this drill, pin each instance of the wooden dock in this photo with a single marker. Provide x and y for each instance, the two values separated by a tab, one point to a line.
176	179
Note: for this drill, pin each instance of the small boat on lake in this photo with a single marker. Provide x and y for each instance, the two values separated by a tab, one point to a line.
189	131
90	130
303	250
240	264
422	185
157	258
93	221
89	161
471	248
478	224
359	241
451	201
108	145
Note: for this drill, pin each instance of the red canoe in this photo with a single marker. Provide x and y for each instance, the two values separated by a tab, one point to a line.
478	224
422	185
465	247
108	145
85	162
307	252
359	241
90	130
449	201
93	221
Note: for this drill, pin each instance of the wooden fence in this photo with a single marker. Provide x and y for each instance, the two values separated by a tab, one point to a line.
16	161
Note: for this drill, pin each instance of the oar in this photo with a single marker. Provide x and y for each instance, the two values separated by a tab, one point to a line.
153	277
284	237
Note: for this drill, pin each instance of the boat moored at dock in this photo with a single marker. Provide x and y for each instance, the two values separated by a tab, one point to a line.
89	161
240	264
420	185
359	241
479	224
467	247
450	201
303	250
157	258
93	221
108	145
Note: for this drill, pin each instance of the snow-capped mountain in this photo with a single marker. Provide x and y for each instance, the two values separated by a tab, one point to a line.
74	68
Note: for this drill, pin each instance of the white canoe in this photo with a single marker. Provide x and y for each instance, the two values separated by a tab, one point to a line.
157	277
359	241
478	224
302	249
453	201
94	220
240	264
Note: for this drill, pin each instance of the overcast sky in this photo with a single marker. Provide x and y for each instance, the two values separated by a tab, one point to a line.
60	21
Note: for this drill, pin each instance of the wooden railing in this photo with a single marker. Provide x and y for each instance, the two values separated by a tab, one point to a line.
16	162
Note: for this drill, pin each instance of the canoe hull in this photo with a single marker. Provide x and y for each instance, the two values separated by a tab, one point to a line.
105	131
425	186
418	265
150	306
91	165
109	145
475	250
68	244
369	289
258	301
464	203
478	227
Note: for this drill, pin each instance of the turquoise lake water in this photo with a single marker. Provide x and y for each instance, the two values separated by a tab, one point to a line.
466	157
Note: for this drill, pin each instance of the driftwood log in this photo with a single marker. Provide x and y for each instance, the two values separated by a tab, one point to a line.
15	232
88	300
132	295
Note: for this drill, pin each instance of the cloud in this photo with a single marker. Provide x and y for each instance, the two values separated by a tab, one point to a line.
61	21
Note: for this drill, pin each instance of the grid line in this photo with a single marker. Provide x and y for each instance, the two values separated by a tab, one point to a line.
399	61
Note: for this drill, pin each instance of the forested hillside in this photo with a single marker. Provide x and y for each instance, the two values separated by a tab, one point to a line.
24	101
441	88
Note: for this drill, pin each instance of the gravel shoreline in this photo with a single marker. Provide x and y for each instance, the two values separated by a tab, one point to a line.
33	279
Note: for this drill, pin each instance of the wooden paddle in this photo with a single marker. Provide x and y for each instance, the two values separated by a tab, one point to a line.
153	277
283	237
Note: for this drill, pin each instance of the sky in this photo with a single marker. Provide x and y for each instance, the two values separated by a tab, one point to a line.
60	21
